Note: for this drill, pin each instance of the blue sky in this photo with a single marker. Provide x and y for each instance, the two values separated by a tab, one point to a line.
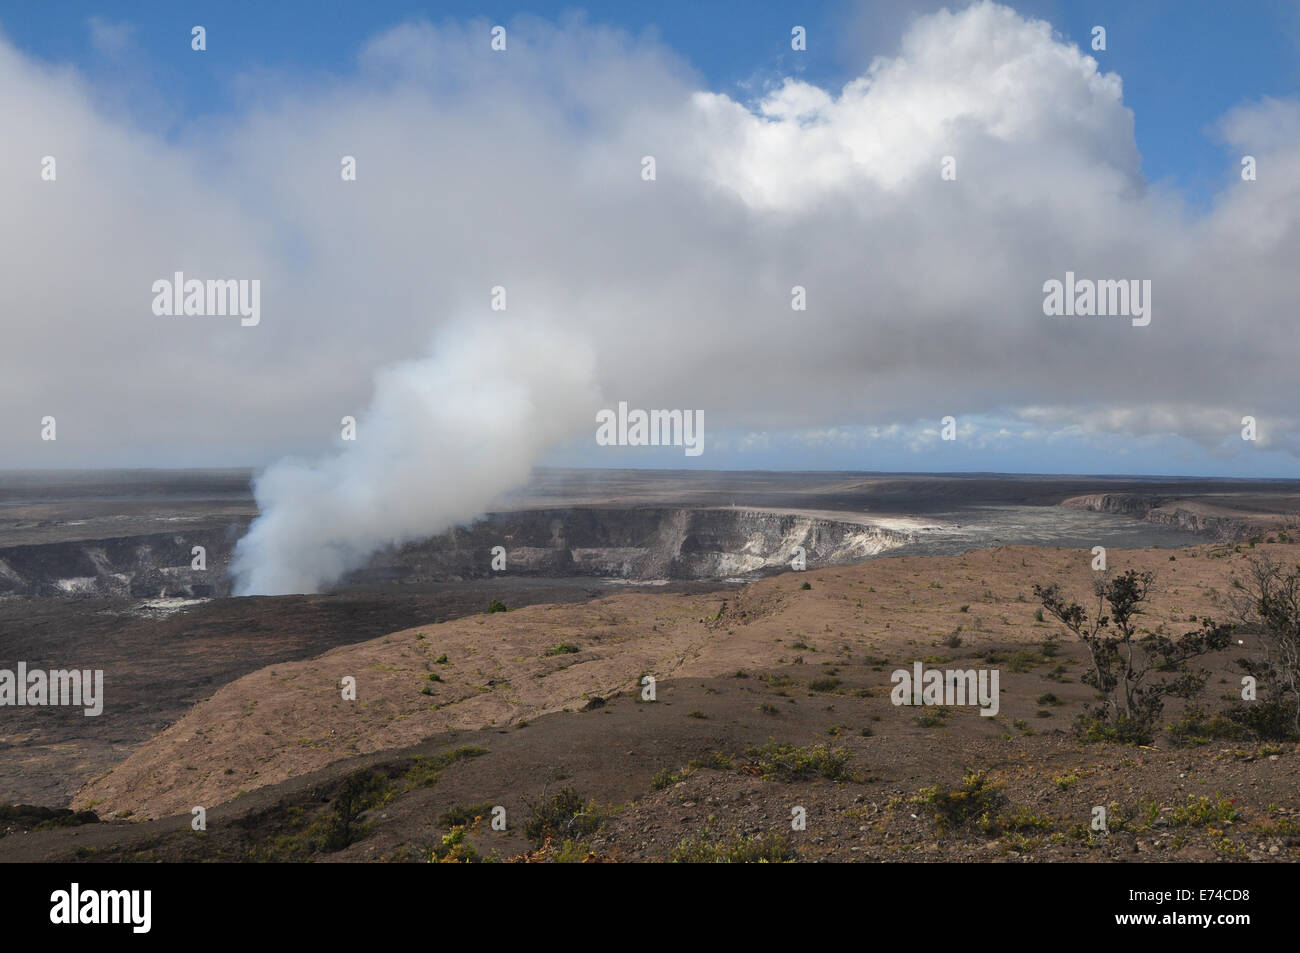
1183	65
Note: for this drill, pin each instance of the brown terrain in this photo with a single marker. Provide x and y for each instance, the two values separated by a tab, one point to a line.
527	708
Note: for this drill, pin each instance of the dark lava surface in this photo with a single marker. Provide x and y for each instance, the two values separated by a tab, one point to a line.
157	667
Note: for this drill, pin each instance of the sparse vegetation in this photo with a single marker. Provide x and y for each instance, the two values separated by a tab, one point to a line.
453	849
1124	666
1203	812
1064	782
733	848
716	761
934	717
973	803
424	772
1267	606
358	793
563	816
786	762
1197	728
464	815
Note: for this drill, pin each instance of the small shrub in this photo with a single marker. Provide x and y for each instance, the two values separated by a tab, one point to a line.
973	803
770	848
453	849
1065	781
566	815
933	717
785	762
1199	729
464	815
1114	730
1202	812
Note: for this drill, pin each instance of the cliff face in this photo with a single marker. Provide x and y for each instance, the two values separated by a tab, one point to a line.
141	567
636	543
631	543
1169	512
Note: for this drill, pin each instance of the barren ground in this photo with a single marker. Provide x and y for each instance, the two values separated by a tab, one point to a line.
769	663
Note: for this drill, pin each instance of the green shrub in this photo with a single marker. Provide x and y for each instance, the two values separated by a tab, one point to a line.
1203	812
973	803
770	848
464	815
1116	729
1264	719
564	816
453	849
1199	729
785	762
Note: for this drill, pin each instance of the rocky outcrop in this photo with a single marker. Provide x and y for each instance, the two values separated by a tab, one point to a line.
1168	512
140	567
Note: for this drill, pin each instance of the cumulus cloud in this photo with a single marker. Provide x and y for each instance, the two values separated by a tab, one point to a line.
522	169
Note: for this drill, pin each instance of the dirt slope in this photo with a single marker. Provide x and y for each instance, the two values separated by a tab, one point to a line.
289	719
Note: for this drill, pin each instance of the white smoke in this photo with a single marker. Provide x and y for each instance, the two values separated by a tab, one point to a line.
443	437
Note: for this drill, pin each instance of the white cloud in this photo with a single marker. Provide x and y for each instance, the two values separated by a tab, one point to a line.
522	169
